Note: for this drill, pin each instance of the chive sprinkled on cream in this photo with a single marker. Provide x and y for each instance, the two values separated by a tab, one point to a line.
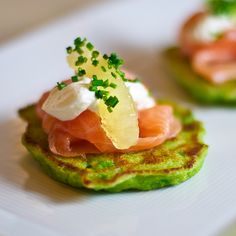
101	87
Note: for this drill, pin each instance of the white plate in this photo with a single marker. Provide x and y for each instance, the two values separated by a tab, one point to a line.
32	203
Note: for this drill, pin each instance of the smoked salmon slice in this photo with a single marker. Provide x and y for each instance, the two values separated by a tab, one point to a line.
215	61
84	134
187	45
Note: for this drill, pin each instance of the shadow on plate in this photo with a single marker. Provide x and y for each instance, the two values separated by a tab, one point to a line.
20	170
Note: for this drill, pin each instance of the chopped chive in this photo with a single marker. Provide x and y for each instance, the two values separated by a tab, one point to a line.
112	101
79	42
80	60
121	73
95	62
95	54
136	80
69	50
109	109
103	69
79	50
105	56
61	85
113	75
93	88
98	82
81	72
94	77
100	94
112	85
106	83
74	78
89	46
115	61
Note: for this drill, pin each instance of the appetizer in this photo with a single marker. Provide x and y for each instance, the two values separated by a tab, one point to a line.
205	61
101	129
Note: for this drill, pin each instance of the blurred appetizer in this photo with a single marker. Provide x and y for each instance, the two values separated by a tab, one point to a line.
101	129
205	61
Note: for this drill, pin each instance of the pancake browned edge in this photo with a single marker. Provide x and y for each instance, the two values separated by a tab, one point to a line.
199	88
171	163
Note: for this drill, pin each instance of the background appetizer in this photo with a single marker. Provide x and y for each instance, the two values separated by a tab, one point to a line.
205	61
101	129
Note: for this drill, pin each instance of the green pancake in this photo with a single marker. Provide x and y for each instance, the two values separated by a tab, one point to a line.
202	90
171	163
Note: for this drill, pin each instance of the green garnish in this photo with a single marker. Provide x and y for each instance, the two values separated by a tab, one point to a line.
61	85
109	109
69	50
105	56
136	80
80	60
93	88
94	77
81	72
95	54
74	78
113	74
97	82
103	69
115	61
101	94
122	75
95	62
89	46
102	83
112	101
79	50
222	7
98	86
79	42
106	83
112	85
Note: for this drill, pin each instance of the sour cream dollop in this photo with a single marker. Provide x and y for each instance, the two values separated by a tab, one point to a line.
209	27
71	101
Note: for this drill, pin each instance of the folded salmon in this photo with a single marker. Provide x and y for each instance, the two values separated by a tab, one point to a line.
84	134
214	61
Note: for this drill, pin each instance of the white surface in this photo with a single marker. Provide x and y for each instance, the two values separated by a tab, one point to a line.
33	204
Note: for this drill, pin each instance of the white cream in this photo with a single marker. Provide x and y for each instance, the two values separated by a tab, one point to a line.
209	27
68	103
140	95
